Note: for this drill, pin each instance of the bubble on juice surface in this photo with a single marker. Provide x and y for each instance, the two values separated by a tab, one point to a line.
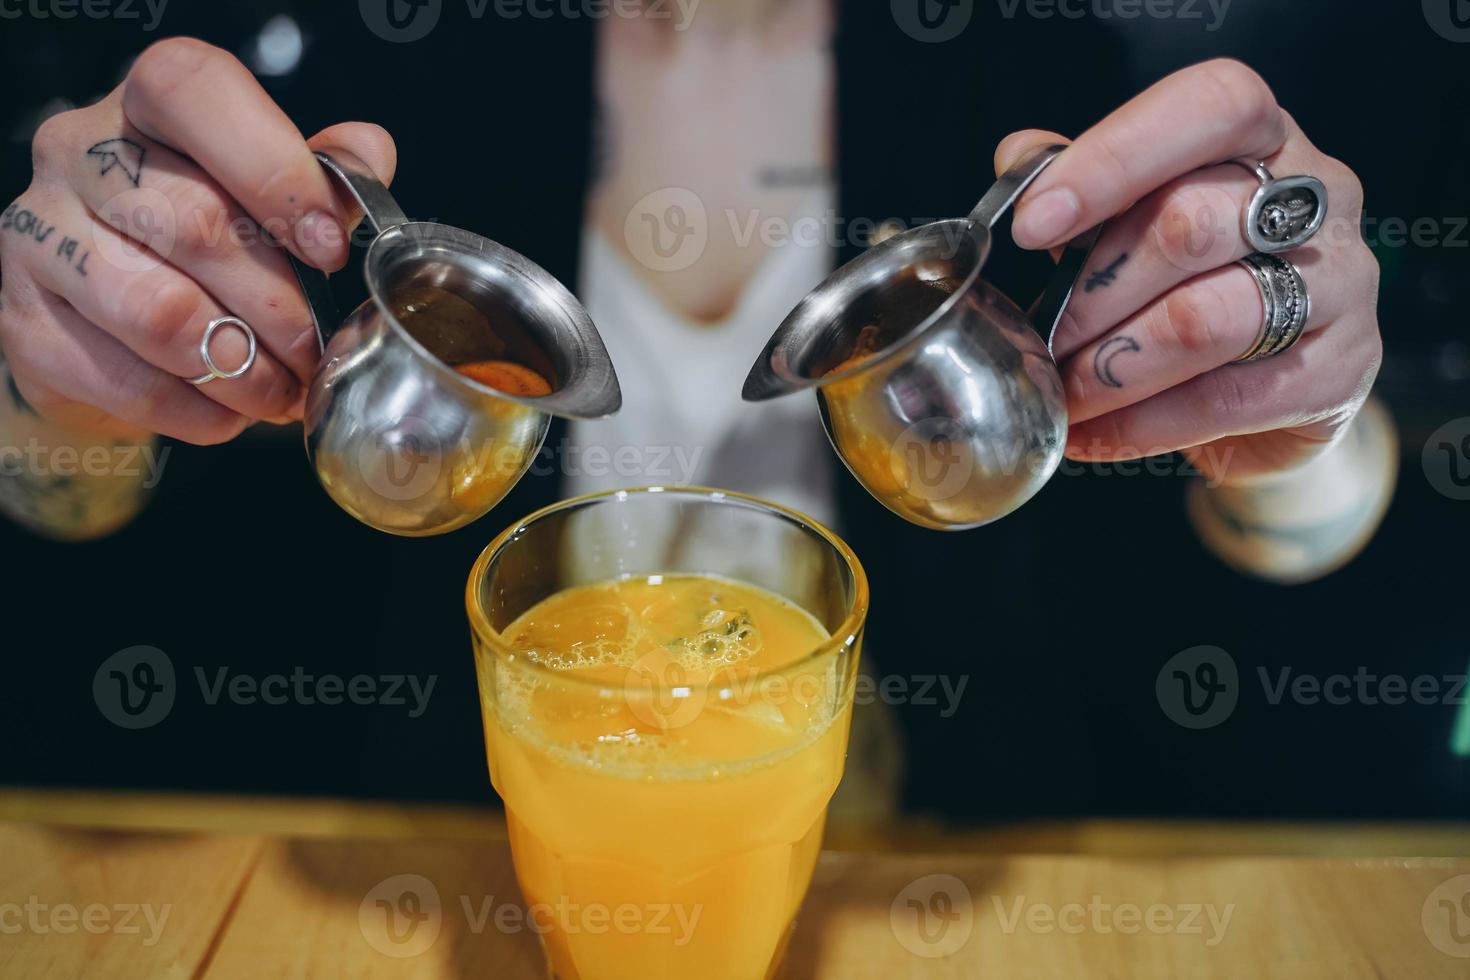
727	637
601	634
703	630
700	633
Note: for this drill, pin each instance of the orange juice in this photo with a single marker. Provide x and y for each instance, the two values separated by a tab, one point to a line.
666	746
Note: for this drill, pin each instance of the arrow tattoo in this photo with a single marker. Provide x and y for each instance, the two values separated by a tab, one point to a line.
121	153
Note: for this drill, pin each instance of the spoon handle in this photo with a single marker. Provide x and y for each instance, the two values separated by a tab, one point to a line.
1009	185
379	210
1048	311
1002	194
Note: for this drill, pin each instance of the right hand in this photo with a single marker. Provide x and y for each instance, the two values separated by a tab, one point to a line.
114	266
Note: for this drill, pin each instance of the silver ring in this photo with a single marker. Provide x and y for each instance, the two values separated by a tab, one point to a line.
1287	305
1284	212
214	369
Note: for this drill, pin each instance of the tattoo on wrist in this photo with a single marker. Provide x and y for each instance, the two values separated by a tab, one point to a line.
793	176
1102	361
16	398
120	153
1106	276
25	223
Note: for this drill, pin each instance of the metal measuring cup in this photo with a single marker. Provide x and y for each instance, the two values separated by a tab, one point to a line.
397	437
956	416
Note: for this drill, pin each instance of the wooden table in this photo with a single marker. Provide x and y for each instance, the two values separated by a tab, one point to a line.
116	905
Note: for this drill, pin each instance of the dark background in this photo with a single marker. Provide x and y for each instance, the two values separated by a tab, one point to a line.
1062	615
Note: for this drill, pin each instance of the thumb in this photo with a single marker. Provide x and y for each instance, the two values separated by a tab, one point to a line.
371	144
1011	150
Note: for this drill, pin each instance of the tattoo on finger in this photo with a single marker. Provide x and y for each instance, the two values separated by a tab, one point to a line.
27	224
1107	352
1106	276
120	153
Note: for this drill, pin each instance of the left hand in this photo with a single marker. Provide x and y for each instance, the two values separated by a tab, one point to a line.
1169	284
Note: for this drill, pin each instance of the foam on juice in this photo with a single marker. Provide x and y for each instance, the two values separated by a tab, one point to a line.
684	663
703	624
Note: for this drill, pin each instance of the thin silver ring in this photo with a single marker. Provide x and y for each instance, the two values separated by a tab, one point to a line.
1286	302
1285	212
1257	167
214	369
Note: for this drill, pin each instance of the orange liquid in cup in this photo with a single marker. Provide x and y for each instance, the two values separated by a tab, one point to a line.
665	791
506	376
487	348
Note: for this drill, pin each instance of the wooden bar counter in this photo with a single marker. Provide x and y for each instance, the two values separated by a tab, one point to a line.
140	886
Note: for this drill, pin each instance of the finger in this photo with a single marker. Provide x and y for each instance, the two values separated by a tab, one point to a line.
1207	322
1189	226
1196	117
371	144
68	414
1238	459
68	361
200	101
1017	146
167	204
1311	389
19	302
151	307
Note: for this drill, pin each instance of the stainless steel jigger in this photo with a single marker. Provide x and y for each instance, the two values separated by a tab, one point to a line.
398	438
960	417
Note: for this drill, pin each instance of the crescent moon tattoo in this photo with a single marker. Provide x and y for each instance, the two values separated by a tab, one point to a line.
1102	361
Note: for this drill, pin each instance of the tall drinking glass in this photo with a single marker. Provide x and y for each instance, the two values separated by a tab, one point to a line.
665	815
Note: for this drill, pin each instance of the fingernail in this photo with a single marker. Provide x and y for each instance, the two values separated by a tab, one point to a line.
322	240
1047	219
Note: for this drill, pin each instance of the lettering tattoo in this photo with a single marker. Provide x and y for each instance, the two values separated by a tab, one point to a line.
120	153
25	223
1102	361
1106	276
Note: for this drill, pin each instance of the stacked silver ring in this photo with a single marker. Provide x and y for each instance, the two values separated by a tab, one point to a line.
1287	304
1283	213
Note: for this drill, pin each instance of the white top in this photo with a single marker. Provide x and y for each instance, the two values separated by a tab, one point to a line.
683	421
